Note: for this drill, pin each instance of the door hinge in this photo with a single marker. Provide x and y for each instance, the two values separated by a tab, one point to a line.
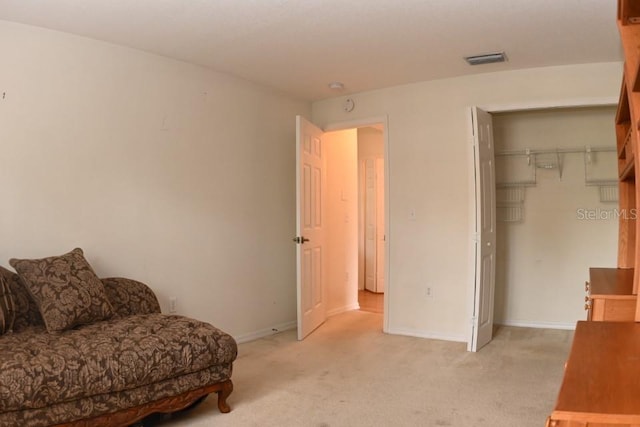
474	141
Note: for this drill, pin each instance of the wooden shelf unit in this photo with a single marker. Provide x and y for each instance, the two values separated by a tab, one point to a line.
628	12
601	383
627	124
625	142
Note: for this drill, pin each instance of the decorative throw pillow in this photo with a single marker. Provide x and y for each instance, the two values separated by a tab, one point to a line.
27	313
7	308
65	289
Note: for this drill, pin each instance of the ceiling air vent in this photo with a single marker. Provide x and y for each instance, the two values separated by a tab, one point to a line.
486	59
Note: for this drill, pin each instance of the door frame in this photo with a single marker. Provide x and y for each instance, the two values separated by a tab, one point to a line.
504	108
363	122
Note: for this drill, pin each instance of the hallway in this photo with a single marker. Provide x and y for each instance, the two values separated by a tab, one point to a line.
371	302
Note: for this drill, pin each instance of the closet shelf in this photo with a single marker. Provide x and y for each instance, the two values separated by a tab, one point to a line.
509	184
577	150
552	159
601	183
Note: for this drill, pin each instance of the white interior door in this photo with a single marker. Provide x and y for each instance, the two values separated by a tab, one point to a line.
380	236
310	227
485	229
374	225
370	240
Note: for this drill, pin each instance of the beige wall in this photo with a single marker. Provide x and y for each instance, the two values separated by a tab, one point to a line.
429	166
162	171
543	261
370	143
184	178
342	219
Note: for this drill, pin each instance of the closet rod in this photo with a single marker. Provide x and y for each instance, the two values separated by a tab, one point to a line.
583	150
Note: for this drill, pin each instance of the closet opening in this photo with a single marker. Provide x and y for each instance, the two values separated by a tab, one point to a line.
556	211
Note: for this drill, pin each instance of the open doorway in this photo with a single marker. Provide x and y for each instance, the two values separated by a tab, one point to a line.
547	188
371	220
342	232
355	204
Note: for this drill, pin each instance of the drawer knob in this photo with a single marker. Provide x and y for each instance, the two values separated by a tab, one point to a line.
586	298
587	306
587	285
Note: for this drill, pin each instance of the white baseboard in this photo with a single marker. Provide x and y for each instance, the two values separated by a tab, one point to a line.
427	334
538	325
349	307
287	326
252	336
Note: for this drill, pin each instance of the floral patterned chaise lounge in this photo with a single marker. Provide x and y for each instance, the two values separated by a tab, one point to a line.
76	350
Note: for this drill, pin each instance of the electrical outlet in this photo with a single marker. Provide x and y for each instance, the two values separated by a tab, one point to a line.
173	302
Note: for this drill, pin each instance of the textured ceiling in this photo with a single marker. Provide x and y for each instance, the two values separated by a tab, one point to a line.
299	46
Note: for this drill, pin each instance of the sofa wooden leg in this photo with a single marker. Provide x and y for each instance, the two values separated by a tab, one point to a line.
223	394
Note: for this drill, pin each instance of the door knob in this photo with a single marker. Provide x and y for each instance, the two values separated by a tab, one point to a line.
300	240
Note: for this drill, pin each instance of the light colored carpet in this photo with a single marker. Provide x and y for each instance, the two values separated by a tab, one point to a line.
348	373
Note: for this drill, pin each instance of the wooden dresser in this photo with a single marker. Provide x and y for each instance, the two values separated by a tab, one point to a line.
601	384
610	295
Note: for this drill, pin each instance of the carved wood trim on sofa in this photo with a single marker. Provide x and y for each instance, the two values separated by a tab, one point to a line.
129	416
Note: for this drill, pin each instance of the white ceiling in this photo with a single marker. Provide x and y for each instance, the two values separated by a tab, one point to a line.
299	46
